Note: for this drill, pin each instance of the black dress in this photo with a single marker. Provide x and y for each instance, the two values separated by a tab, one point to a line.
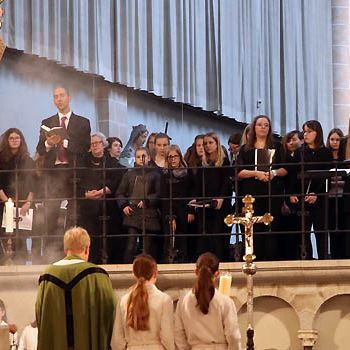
291	243
176	195
17	187
213	182
265	245
93	214
312	214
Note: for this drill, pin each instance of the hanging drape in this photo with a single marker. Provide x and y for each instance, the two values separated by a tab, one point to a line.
220	55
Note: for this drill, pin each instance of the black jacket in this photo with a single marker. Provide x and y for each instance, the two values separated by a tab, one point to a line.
140	184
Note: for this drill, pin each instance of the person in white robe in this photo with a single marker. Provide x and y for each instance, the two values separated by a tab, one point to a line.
145	316
205	318
29	337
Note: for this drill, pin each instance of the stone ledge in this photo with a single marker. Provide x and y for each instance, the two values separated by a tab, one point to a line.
182	275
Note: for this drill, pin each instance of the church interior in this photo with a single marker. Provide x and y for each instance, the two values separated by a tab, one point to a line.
187	68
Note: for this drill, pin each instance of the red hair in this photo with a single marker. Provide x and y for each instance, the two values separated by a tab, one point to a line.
137	312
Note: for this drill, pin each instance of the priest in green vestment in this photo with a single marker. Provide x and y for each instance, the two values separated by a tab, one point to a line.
75	302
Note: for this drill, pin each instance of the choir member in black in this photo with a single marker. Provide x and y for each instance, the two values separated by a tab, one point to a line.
138	196
233	146
194	159
344	154
290	243
150	144
335	201
261	175
115	146
175	211
312	156
213	188
98	181
194	154
17	181
161	141
116	243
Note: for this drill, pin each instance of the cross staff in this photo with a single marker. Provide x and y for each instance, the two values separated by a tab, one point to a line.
249	268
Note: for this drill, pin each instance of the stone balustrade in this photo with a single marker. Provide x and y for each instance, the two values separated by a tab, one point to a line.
297	304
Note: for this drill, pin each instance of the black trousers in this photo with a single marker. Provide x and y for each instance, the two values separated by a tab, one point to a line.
315	216
147	244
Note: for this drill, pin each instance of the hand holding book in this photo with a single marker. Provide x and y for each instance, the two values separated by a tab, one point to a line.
54	135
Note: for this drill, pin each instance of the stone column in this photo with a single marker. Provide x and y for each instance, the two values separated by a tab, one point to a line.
111	102
308	338
341	63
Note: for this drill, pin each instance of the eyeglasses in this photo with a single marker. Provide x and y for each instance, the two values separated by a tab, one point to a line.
96	143
173	157
14	138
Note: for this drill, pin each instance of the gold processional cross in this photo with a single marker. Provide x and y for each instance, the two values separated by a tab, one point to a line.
248	221
249	268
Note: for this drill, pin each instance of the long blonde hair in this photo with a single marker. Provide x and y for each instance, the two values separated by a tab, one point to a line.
137	312
220	153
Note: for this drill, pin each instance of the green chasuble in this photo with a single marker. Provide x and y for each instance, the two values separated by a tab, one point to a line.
75	307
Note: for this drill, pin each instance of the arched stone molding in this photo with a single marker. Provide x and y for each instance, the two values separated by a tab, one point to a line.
276	324
332	322
330	294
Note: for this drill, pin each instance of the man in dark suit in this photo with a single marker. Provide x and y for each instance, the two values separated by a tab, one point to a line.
60	158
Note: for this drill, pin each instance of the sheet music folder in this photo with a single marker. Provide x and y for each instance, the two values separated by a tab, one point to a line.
315	174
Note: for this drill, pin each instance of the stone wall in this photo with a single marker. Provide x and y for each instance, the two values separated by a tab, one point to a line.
296	304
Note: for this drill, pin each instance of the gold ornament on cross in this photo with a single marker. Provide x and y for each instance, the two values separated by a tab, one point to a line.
248	221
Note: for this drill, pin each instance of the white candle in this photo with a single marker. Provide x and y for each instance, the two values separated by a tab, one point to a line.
225	284
9	215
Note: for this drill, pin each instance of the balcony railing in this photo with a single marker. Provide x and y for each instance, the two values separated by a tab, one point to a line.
109	235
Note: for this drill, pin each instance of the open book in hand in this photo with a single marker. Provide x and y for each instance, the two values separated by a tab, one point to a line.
56	130
206	203
340	171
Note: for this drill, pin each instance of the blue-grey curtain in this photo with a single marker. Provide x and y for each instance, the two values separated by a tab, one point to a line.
220	55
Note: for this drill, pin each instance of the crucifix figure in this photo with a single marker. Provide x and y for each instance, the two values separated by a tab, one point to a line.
249	268
248	221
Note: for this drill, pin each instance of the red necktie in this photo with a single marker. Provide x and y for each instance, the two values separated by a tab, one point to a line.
62	156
